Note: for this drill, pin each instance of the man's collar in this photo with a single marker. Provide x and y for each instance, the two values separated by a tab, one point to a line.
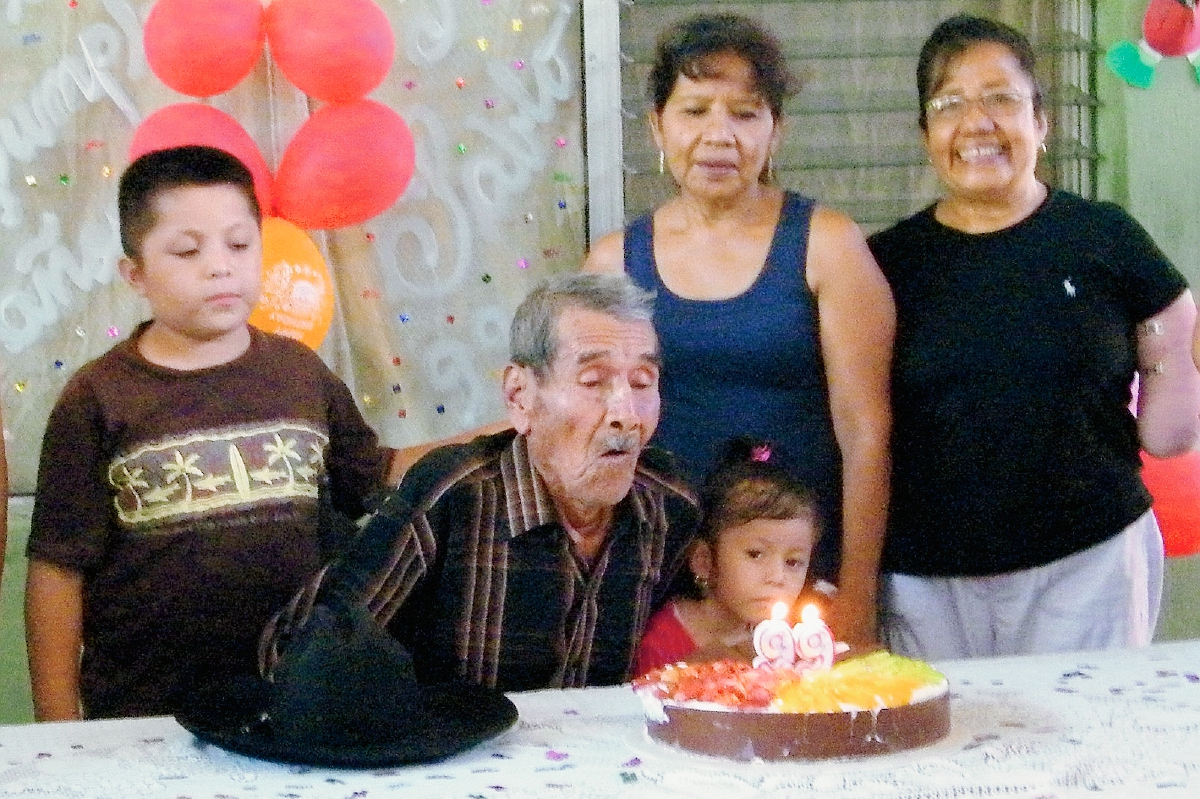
528	499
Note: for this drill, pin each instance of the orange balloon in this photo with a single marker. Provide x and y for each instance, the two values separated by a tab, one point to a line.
1174	484
297	291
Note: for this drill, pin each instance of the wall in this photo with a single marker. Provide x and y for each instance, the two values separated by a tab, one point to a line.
1151	145
424	291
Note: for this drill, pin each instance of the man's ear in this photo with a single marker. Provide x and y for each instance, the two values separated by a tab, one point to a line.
519	387
131	273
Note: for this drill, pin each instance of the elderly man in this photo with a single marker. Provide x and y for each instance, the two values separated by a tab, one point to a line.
532	558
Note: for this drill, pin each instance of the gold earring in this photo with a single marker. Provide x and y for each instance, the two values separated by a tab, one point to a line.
702	584
662	163
770	169
1044	146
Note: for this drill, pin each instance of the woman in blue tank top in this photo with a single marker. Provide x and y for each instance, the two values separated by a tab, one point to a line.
773	319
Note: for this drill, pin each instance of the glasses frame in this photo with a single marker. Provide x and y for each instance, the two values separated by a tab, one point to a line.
998	104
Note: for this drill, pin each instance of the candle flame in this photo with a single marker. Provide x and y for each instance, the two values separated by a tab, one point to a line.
810	614
779	610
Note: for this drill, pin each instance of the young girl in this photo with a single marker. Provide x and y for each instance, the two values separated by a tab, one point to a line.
753	549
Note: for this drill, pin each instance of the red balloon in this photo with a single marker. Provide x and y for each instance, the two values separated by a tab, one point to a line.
195	123
346	164
1171	28
1175	485
332	50
204	47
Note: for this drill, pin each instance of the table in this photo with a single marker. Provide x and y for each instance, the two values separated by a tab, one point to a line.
1103	724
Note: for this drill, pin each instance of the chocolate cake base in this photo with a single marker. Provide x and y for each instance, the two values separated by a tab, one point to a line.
747	735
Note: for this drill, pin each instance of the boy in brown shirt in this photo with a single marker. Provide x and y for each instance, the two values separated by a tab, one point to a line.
177	498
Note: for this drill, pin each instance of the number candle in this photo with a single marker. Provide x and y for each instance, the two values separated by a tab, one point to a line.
814	641
773	640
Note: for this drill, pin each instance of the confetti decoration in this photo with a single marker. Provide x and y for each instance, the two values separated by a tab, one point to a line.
486	278
113	332
402	414
31	38
79	331
58	364
518	64
410	84
106	171
518	26
396	388
522	263
396	360
441	409
404	318
370	237
489	103
528	218
556	756
30	180
482	44
460	82
368	400
19	386
449	320
560	142
64	179
562	205
462	148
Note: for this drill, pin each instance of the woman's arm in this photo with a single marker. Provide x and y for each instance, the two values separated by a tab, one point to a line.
403	459
1168	384
607	254
857	329
53	634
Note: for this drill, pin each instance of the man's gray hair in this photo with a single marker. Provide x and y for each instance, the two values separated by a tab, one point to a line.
533	338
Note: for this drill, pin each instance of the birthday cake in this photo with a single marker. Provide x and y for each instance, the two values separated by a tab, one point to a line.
872	705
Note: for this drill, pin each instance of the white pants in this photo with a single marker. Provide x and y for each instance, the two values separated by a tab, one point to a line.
1105	597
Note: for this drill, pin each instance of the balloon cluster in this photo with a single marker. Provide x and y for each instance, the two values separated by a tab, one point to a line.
335	52
1170	28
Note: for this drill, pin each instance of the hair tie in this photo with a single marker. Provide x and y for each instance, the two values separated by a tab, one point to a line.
760	453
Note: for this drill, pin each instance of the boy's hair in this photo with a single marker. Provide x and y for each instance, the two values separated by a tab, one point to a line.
747	484
161	170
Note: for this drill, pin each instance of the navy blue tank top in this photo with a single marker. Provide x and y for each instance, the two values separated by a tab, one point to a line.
748	365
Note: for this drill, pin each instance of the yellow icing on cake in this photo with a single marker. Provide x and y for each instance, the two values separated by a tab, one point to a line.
867	683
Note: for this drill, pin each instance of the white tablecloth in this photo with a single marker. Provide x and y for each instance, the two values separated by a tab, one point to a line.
1112	724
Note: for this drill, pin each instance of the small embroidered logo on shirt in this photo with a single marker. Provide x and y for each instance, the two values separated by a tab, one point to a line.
1069	287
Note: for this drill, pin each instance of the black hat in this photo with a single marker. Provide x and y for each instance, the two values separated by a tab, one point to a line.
344	694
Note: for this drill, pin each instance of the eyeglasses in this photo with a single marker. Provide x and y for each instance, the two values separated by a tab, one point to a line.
997	104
